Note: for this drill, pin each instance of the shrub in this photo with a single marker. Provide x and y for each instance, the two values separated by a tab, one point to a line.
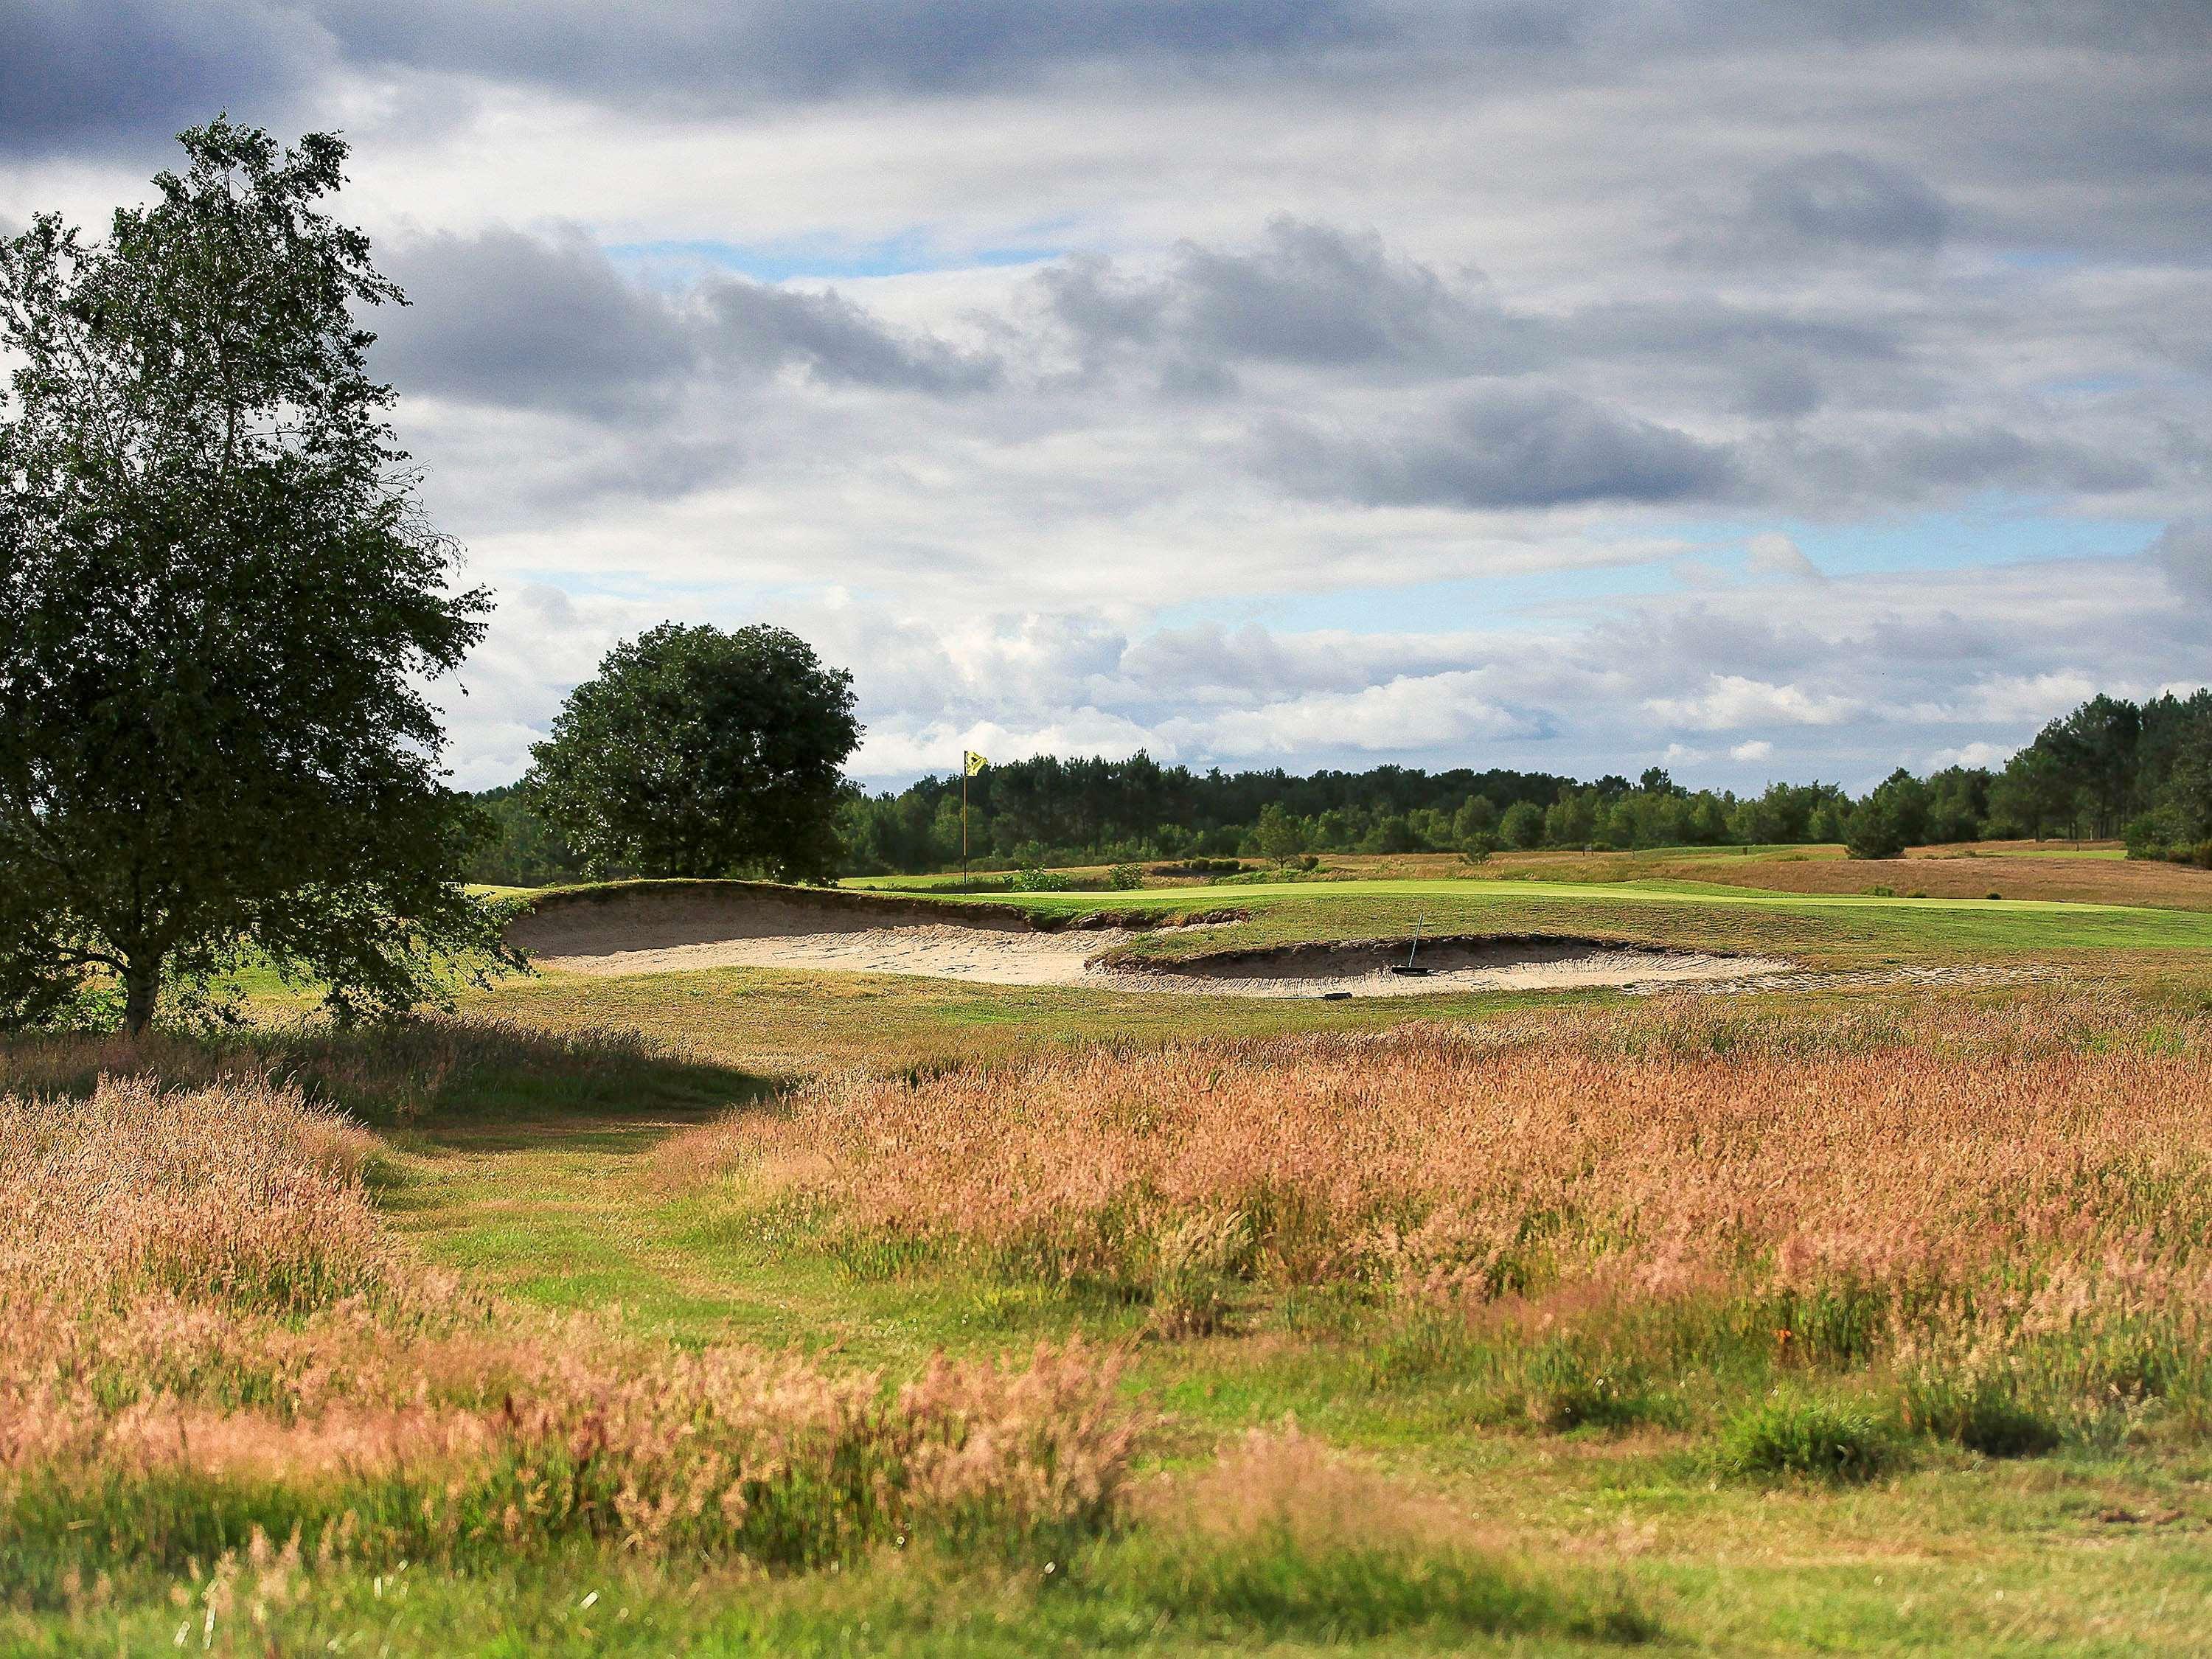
1126	877
1790	1433
1194	1267
1979	1408
1567	1389
1030	879
1872	831
397	1070
1478	848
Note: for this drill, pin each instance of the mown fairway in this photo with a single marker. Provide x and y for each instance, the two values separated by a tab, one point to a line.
1733	1322
1820	930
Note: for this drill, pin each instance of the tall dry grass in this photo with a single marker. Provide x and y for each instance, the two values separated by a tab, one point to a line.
204	1331
392	1072
1979	1193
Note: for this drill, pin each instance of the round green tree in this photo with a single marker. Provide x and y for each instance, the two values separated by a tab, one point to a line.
219	606
697	752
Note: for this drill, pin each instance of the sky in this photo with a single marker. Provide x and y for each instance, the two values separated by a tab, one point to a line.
1759	390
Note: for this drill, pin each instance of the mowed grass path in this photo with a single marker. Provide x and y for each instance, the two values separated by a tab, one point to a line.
574	1212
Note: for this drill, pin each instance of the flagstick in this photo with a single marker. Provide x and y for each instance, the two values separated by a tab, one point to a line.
963	818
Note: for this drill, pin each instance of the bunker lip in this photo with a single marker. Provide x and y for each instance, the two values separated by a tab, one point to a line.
666	914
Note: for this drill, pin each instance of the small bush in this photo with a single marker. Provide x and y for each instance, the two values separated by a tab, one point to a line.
1789	1433
1567	1390
1200	867
1126	877
1878	890
1478	849
1982	1420
1030	879
1873	832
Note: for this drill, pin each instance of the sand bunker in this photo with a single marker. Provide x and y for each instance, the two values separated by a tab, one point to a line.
666	932
1448	965
990	956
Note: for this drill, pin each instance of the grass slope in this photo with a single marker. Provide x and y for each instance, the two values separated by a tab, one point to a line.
1818	930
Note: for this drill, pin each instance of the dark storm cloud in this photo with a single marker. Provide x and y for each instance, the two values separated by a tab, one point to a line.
1322	297
100	73
1504	446
95	73
1314	294
92	74
2183	552
766	326
1824	200
739	50
1948	460
506	318
1308	294
1700	400
503	317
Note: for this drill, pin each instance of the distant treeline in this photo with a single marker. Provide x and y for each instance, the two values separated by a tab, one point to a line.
2110	767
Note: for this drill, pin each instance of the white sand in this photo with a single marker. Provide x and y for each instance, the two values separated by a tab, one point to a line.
983	954
1542	970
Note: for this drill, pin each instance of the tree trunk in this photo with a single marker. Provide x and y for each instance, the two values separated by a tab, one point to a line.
142	985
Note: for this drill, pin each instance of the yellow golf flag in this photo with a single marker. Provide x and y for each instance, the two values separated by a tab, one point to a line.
974	761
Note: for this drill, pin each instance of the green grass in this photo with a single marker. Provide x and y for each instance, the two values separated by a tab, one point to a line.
787	1024
572	1210
564	1204
1693	1503
1820	930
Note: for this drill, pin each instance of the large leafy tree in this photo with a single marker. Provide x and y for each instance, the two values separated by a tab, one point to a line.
697	752
219	605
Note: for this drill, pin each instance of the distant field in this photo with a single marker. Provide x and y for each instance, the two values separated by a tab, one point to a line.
2066	872
1822	930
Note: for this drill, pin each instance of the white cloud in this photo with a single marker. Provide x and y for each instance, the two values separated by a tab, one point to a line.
1437	711
2013	698
1035	472
1992	754
1731	700
1775	555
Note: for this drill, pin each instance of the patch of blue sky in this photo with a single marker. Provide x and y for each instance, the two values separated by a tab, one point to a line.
818	258
1993	532
1996	531
2093	385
